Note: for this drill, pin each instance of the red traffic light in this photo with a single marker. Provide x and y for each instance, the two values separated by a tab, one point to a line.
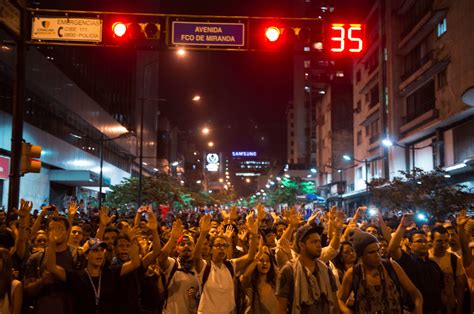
119	29
272	33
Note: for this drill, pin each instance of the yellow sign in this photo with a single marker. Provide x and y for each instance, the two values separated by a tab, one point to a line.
66	29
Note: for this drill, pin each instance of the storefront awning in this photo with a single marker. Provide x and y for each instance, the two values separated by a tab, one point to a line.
77	178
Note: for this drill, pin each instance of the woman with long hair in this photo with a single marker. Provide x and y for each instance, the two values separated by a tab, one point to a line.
345	259
258	283
11	293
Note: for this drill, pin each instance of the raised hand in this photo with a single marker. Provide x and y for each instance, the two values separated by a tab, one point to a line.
72	209
25	208
252	225
205	224
229	231
104	218
313	217
260	212
233	213
176	229
152	221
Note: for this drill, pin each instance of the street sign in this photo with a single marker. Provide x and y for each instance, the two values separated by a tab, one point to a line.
66	29
10	16
208	34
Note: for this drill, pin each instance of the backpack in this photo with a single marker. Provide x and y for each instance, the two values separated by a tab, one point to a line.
357	277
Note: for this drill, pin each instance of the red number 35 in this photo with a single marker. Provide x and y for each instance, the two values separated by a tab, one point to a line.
348	37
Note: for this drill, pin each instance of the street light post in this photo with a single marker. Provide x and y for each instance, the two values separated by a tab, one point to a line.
101	155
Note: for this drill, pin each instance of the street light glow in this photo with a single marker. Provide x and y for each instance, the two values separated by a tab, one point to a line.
347	157
247	180
196	98
198	182
313	170
387	142
181	52
210	144
174	164
205	131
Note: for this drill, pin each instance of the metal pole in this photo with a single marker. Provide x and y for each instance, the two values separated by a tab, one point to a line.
17	117
366	175
141	156
101	147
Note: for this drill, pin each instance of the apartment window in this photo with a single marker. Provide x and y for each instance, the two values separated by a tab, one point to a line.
442	79
374	131
421	101
373	61
359	173
367	130
292	133
292	152
358	108
292	125
367	98
292	143
442	28
358	76
416	58
374	96
359	137
307	64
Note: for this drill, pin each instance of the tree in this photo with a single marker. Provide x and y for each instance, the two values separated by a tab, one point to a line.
418	190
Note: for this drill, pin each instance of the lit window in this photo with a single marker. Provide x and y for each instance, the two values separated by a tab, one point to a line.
306	49
339	74
307	64
442	27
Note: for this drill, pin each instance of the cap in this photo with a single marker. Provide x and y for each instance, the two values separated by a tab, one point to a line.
306	230
185	237
94	243
361	240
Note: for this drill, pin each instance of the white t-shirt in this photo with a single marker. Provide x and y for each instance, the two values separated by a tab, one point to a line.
218	292
179	301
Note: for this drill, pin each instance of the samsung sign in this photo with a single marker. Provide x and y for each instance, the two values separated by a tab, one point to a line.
244	154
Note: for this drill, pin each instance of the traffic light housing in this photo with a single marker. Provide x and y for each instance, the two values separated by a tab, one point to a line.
268	34
139	31
29	163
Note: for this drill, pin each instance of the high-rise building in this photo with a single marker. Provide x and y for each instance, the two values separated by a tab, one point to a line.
412	86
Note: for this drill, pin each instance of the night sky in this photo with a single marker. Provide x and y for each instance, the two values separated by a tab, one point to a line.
244	94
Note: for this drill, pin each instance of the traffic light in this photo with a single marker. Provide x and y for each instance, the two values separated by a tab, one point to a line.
141	31
28	154
275	33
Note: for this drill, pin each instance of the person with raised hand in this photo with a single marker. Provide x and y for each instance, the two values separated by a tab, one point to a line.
217	276
94	289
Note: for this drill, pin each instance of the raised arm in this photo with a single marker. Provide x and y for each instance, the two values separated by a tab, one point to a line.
394	246
23	227
204	227
344	292
134	261
383	226
71	214
156	250
252	226
51	265
104	220
176	231
38	220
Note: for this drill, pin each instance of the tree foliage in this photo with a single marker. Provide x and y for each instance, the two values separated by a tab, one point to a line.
418	190
159	189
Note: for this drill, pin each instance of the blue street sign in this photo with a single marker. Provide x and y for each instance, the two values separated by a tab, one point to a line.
208	34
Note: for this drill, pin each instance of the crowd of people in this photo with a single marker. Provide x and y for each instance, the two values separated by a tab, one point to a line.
236	260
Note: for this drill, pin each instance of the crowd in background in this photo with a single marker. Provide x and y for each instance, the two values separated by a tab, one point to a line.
232	260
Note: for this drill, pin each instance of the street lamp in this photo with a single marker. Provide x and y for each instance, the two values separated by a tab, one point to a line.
210	144
181	52
205	131
196	98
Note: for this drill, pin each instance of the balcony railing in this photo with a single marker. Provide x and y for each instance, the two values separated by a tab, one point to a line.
418	64
421	109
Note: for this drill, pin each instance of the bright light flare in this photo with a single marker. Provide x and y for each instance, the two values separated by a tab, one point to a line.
205	131
197	98
181	52
210	144
119	29
272	33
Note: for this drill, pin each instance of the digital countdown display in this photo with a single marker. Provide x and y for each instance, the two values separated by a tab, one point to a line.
346	38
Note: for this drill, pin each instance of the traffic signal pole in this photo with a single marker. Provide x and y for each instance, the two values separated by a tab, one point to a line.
17	117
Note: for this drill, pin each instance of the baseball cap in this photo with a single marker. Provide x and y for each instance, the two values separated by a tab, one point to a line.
94	243
306	230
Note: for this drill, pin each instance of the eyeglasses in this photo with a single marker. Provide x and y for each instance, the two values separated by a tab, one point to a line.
185	244
421	241
221	246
